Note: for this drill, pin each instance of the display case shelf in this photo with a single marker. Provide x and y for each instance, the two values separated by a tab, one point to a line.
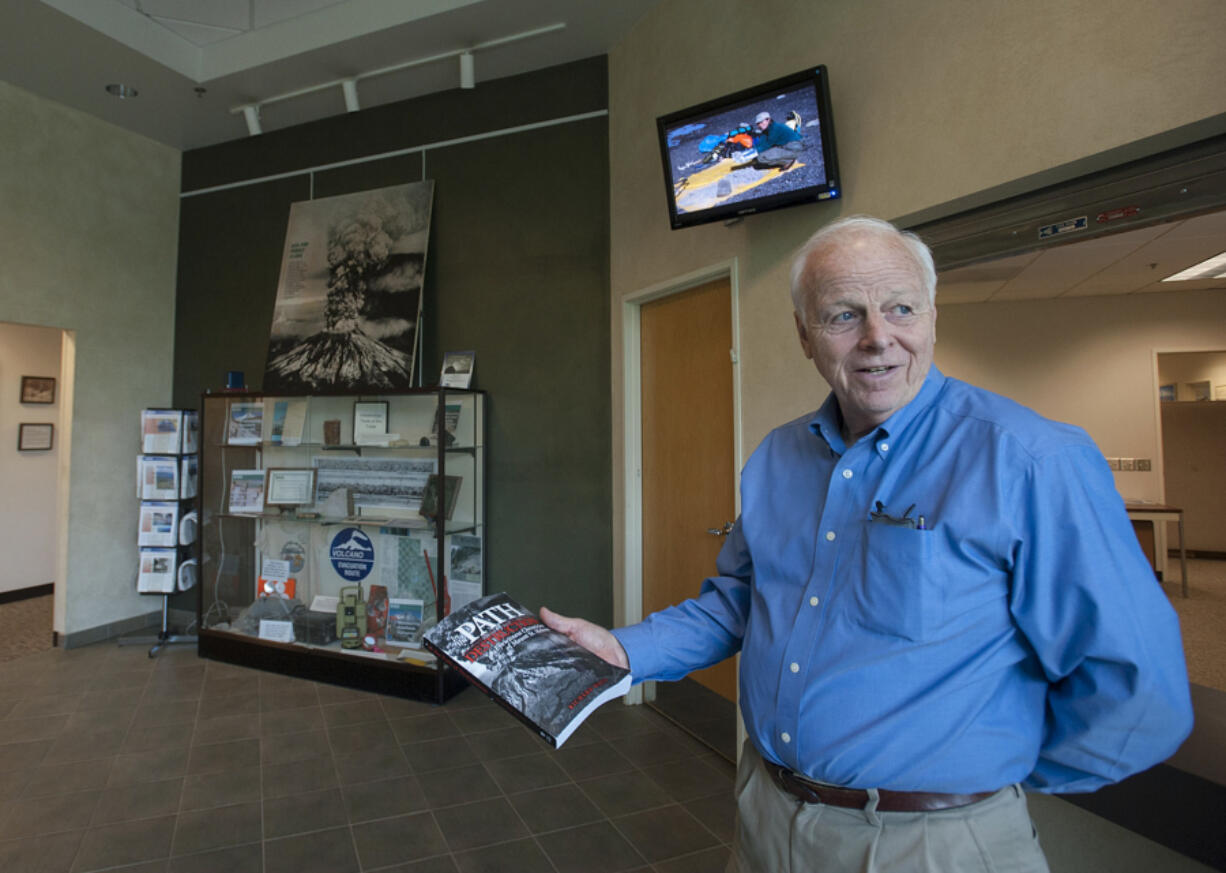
348	515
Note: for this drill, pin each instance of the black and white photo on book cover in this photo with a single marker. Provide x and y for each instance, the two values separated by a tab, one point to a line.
349	296
540	675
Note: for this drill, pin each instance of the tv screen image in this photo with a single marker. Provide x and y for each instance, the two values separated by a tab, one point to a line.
725	158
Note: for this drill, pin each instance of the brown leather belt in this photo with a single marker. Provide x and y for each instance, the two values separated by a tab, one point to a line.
857	798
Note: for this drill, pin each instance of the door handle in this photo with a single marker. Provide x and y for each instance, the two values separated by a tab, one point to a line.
721	531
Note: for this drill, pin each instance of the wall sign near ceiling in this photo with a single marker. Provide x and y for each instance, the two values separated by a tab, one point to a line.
1068	226
1117	213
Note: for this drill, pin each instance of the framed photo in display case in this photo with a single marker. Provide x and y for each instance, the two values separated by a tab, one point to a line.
289	486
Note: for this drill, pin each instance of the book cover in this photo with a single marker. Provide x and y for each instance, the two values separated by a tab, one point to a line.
404	618
536	673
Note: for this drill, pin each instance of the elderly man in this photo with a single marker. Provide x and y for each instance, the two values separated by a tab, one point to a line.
937	595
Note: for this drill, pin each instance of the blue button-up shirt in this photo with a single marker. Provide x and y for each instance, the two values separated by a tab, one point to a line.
1020	637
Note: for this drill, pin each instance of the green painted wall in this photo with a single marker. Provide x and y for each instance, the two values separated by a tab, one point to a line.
517	269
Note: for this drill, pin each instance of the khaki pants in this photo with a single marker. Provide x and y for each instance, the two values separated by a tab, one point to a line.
776	833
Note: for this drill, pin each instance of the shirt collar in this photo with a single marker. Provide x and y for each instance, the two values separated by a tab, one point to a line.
827	422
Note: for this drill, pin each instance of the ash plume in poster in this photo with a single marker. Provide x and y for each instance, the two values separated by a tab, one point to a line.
348	306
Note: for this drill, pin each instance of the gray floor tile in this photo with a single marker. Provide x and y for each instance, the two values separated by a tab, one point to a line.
686	780
93	721
418	728
87	745
653	747
521	856
660	834
705	861
241	704
234	859
717	813
291	721
40	854
300	813
225	728
124	843
65	778
372	765
48	815
155	766
443	754
321	852
219	757
438	864
292	699
127	700
166	714
460	785
526	772
131	802
396	840
20	755
365	736
551	809
208	790
623	793
287	748
146	739
366	801
498	823
353	712
594	848
396	707
206	829
22	730
479	719
506	742
590	761
299	776
38	707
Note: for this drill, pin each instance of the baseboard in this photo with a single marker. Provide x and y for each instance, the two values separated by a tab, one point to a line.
1199	554
27	593
108	631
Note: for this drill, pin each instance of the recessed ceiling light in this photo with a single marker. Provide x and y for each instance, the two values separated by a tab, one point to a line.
123	92
1213	268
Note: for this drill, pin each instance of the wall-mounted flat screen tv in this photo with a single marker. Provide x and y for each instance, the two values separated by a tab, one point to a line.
763	148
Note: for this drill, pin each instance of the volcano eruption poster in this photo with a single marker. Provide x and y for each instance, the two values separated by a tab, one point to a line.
348	306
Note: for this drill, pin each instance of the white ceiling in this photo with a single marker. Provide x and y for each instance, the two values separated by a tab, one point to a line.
195	61
1131	262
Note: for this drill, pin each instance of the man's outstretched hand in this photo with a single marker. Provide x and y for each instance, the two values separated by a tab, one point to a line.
591	636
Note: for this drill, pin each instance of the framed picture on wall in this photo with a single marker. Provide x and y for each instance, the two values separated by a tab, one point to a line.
35	437
37	389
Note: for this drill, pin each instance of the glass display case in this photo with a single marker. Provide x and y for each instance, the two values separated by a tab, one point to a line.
335	529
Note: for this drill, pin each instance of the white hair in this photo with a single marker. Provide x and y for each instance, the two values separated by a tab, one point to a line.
802	277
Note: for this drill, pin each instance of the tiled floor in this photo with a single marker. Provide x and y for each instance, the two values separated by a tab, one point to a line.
110	760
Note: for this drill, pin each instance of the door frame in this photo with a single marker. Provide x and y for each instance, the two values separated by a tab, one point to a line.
632	423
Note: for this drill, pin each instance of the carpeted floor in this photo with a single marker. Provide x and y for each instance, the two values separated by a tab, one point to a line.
25	627
1202	618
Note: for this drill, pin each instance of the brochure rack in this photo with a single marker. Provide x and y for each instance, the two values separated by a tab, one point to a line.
336	528
166	485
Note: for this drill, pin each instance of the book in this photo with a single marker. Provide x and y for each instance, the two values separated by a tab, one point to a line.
404	618
538	675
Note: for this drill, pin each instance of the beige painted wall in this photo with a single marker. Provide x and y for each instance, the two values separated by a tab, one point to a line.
28	527
88	242
932	101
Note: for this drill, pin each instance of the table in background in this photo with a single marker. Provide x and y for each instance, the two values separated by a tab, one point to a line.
1157	514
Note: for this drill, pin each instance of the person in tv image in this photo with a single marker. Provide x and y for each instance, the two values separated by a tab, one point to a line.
778	145
938	599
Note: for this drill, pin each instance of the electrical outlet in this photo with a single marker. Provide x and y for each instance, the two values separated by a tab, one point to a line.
1128	465
1113	463
1144	465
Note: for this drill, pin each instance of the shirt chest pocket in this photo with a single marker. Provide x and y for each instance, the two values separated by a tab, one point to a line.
897	592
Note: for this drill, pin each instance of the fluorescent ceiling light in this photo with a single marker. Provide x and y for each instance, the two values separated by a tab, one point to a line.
1213	268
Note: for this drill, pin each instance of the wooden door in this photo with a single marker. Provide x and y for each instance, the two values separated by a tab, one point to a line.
688	448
